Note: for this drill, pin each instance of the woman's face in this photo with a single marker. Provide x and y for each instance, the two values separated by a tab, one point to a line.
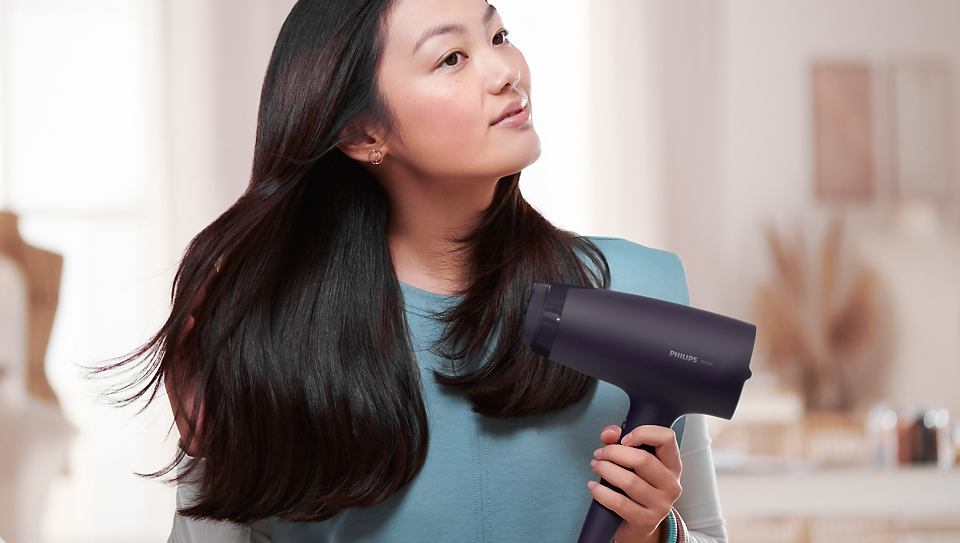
447	89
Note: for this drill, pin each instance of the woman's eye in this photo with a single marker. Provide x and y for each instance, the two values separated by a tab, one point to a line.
503	32
452	55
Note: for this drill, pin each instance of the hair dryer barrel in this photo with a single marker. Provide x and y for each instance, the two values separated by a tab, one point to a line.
656	350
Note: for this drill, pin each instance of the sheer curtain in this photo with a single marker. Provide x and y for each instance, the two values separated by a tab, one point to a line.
114	153
82	168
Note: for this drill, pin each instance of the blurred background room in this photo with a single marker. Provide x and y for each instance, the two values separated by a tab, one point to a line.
801	157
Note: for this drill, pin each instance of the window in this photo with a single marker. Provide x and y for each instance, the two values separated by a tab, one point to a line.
79	165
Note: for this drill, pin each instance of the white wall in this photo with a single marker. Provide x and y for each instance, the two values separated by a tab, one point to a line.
625	138
560	184
216	55
767	124
767	127
702	132
724	128
656	72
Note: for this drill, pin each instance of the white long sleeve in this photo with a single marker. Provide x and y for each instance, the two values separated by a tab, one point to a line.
699	504
188	530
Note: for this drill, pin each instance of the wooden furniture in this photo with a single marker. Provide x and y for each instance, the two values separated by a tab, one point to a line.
843	504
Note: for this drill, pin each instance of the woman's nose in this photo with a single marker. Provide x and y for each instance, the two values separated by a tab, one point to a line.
509	77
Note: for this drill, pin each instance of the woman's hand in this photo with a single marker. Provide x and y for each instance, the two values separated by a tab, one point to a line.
651	483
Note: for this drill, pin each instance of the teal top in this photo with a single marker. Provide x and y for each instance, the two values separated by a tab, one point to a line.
521	479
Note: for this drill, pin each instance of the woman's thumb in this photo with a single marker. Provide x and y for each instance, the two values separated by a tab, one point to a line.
610	434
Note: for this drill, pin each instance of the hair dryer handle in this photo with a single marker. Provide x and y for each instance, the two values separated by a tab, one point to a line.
601	523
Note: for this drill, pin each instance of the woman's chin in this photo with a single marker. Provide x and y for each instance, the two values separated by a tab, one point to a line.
533	155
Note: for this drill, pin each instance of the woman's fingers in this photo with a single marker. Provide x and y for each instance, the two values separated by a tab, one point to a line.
650	483
664	441
642	463
621	476
610	434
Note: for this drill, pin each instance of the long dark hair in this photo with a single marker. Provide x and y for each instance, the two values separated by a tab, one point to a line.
300	349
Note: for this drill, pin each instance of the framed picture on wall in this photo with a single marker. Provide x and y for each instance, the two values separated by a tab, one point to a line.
843	145
922	127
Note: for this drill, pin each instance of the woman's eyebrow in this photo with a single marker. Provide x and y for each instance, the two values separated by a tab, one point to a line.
451	27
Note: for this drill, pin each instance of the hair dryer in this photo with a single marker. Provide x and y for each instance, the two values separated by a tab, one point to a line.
671	359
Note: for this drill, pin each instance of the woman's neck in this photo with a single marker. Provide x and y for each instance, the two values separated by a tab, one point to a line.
423	217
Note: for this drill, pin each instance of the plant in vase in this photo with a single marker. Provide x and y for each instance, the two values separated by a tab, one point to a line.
817	321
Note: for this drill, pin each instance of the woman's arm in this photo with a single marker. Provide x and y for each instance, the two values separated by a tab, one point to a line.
699	503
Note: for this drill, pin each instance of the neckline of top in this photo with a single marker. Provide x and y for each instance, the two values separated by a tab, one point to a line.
424	300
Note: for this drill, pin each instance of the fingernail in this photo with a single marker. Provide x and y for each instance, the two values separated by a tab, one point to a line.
593	463
591	484
596	453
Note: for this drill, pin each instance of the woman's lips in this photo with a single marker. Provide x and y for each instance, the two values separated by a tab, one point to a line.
517	119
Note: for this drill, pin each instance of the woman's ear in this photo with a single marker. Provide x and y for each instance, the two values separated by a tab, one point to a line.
357	143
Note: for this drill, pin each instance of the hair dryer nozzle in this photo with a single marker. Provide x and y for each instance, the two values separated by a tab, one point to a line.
542	317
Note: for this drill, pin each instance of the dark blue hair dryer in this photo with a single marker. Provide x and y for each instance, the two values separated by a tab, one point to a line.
671	359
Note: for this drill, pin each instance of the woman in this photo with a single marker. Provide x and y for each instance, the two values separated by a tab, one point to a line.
347	364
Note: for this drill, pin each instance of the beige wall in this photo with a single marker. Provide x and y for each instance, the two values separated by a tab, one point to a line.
215	57
705	132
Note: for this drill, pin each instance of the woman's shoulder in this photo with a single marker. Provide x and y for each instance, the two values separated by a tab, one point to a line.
616	245
642	269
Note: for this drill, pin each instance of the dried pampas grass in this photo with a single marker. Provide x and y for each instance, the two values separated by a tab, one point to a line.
817	323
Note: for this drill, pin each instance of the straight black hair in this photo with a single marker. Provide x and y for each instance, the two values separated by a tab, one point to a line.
300	348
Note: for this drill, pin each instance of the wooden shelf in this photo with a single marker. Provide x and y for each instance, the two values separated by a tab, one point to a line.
908	492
